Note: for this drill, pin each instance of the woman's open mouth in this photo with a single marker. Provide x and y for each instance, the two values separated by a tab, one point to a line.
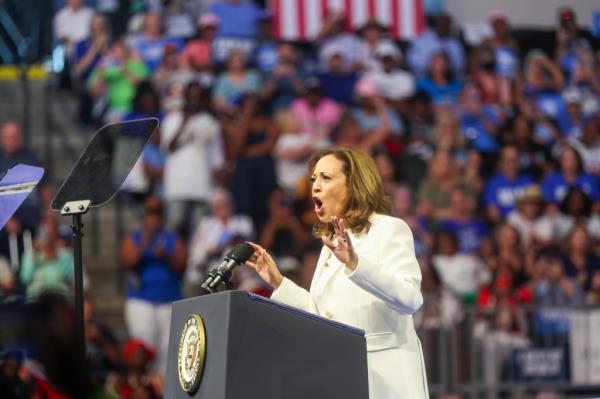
318	205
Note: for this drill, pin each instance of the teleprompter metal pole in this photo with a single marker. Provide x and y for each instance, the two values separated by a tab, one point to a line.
77	209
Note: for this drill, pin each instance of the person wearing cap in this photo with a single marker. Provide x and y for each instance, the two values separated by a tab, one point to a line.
395	84
139	382
197	53
528	219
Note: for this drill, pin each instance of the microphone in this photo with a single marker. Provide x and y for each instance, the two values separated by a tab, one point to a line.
235	257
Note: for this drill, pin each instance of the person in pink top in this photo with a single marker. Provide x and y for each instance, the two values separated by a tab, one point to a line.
319	114
197	54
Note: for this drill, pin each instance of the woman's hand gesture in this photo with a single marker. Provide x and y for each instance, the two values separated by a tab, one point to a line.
265	266
342	247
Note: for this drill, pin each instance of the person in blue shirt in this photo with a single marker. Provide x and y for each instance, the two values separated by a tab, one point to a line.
88	52
150	45
338	83
238	18
265	51
479	122
155	260
471	232
572	120
440	83
285	83
505	186
556	185
434	40
234	82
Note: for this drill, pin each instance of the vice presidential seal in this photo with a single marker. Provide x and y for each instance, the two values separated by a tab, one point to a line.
191	354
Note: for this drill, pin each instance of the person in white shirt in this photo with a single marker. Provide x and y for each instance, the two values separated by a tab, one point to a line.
293	149
588	146
333	36
394	83
192	140
212	237
528	219
72	23
372	34
463	273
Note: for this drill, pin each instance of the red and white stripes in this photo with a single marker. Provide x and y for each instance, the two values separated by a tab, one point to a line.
302	19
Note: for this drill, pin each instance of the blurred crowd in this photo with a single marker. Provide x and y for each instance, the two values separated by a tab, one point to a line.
489	151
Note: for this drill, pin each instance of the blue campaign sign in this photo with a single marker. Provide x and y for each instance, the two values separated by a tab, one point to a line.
539	364
596	23
15	186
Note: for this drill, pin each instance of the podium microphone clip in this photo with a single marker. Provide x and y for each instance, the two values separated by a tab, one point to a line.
237	256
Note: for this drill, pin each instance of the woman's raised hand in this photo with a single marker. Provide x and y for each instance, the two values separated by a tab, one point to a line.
265	266
342	247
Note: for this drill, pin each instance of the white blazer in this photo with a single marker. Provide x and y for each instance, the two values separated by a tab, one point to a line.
378	297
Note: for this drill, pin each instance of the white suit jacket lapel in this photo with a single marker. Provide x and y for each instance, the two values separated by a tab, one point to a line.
323	257
327	255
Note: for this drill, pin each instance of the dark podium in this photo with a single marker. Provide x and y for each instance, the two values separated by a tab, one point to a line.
260	349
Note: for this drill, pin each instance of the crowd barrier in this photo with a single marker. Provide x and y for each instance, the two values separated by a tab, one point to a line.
515	351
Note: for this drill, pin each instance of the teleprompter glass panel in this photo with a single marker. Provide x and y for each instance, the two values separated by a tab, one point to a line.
105	163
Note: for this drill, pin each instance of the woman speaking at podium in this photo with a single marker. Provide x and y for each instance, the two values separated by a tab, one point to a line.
367	275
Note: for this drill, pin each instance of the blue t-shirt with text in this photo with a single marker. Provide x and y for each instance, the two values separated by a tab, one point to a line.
555	187
503	192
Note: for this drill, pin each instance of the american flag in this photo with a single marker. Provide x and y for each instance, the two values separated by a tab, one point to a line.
302	19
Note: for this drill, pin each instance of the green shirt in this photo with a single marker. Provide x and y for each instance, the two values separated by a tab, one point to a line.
119	89
47	275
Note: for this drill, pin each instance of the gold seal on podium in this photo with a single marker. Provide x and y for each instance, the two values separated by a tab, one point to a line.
192	352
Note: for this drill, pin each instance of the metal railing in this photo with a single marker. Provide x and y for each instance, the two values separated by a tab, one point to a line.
507	352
